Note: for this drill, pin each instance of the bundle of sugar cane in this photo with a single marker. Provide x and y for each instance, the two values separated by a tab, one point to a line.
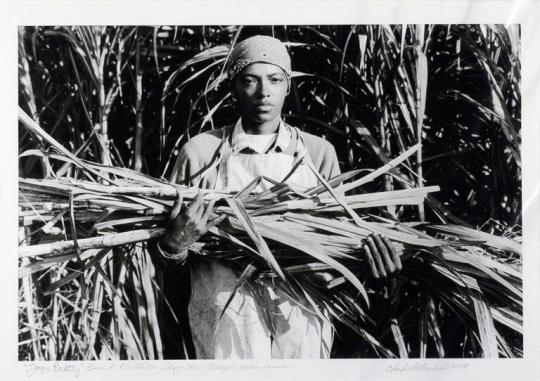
100	216
307	242
279	234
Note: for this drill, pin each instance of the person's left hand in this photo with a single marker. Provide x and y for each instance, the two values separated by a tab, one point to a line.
382	256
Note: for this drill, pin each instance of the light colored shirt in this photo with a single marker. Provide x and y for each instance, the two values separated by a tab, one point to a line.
242	141
197	155
260	143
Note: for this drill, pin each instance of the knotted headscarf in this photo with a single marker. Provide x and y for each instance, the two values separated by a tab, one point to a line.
258	49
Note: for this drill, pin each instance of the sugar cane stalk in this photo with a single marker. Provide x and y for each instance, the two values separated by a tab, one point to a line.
137	163
109	240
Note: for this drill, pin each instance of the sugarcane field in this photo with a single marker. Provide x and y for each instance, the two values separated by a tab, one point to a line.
269	192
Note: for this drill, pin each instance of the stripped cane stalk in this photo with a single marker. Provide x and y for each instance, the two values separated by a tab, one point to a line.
28	305
109	240
25	82
421	91
103	98
137	163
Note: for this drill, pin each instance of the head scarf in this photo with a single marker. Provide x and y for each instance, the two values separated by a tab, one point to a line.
258	49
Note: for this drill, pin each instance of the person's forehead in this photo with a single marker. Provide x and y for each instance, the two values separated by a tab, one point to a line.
262	69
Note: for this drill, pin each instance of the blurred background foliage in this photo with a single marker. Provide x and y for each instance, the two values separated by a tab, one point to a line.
132	96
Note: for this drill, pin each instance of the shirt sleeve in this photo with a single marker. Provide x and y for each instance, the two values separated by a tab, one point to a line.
184	167
328	161
323	155
329	164
193	167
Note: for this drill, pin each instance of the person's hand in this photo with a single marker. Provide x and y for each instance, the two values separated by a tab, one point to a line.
382	256
187	226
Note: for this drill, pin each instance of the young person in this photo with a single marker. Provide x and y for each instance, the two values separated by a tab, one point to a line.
261	322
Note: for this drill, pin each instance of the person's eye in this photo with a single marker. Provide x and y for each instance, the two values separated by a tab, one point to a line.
277	80
248	81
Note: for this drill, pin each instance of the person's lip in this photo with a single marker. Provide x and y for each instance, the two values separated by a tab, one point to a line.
264	106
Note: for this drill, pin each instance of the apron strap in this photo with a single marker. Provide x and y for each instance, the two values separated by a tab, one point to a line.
298	147
292	147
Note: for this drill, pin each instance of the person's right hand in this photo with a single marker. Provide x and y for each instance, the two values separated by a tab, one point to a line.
382	256
187	226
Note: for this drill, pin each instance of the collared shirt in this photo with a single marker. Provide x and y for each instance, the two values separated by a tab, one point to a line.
240	142
199	152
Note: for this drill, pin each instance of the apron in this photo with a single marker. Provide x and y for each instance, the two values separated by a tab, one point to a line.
243	332
237	171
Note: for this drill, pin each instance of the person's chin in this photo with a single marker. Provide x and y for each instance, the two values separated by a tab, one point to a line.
261	117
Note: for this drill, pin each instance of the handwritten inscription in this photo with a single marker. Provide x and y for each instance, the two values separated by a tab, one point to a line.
40	369
426	367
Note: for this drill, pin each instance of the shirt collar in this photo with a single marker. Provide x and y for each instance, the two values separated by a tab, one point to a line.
240	142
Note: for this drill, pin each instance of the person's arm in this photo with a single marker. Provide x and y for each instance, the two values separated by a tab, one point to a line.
186	224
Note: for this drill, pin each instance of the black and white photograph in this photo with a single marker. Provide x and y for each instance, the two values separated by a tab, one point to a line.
270	191
202	198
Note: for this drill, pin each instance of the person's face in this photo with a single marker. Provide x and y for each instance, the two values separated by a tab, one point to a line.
260	90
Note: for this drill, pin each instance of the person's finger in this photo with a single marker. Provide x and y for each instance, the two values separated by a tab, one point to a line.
208	211
216	221
199	212
393	251
377	256
385	254
371	262
177	206
194	205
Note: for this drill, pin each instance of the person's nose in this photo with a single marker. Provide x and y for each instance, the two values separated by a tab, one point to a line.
264	88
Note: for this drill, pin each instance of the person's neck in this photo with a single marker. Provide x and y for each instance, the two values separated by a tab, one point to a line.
264	128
